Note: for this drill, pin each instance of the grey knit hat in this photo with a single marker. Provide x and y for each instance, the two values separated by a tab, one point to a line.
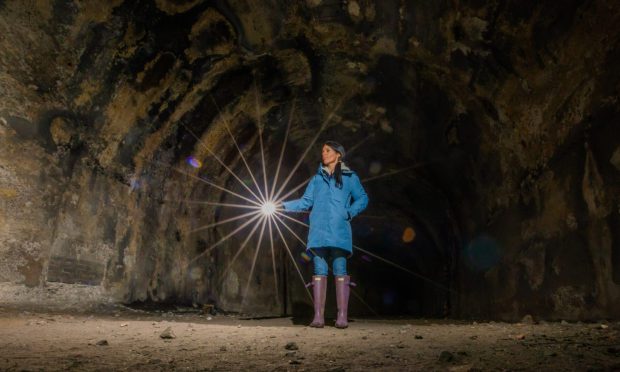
336	147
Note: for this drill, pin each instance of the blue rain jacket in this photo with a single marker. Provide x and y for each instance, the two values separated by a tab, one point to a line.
332	208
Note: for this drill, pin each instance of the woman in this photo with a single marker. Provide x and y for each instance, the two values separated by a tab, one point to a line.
335	195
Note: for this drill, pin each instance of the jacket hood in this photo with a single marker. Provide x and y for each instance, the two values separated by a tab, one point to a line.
345	169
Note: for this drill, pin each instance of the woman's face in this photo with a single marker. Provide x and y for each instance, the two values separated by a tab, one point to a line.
329	155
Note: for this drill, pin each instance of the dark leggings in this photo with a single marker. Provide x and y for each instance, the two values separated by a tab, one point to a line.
338	257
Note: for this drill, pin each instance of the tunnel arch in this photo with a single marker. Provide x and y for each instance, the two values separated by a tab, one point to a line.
498	120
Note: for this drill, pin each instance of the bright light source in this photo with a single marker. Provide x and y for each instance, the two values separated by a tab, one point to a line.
268	208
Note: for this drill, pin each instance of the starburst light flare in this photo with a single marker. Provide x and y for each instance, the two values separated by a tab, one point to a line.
268	208
263	211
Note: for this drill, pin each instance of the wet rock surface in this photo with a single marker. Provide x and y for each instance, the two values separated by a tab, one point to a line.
30	341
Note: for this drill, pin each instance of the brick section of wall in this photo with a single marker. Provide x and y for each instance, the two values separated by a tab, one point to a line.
70	270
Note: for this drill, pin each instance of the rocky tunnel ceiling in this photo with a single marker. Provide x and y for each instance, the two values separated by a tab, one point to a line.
487	133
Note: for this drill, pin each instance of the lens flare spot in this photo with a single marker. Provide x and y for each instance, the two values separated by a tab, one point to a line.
193	162
366	258
408	235
134	183
374	168
305	257
483	253
389	297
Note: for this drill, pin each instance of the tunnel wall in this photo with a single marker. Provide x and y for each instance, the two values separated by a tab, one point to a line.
509	111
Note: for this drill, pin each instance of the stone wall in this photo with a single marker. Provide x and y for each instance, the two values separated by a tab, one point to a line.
498	122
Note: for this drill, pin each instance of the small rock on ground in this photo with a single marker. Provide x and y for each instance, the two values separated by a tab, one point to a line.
291	346
446	356
167	334
528	319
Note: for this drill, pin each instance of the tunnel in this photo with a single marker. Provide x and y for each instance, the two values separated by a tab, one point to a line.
139	140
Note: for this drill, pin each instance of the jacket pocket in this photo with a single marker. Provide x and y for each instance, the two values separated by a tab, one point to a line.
338	202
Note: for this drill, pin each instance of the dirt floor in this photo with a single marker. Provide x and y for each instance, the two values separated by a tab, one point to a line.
126	339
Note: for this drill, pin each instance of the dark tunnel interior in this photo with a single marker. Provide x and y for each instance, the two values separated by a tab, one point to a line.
134	132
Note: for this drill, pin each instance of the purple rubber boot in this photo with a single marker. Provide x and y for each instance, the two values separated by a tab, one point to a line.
343	289
319	290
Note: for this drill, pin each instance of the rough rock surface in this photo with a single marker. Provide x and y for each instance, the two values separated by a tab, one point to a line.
509	110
